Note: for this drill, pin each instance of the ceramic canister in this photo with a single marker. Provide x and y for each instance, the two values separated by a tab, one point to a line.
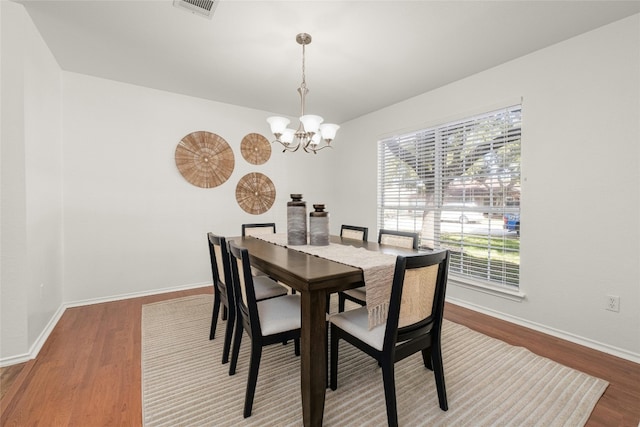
296	220
319	226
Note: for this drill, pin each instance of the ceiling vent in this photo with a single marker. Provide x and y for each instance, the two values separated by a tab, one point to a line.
198	7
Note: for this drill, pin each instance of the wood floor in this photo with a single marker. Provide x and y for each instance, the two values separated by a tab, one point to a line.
88	371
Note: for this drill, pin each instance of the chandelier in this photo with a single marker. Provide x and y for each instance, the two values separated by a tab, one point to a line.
312	135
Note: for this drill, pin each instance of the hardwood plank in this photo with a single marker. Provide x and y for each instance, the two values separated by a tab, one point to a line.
88	371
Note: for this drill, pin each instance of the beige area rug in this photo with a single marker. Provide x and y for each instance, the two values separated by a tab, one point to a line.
489	383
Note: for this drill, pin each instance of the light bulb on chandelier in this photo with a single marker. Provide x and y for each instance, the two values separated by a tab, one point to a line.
312	135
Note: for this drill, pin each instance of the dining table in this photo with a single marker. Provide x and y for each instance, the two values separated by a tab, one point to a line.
314	278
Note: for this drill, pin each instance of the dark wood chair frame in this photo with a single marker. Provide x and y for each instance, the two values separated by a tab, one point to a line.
399	343
248	320
222	293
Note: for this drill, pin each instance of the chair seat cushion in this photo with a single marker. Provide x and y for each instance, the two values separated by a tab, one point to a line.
356	323
279	314
267	288
357	293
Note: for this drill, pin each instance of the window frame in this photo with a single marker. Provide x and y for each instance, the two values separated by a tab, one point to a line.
432	147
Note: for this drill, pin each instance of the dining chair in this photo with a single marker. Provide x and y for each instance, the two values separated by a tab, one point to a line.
414	324
402	239
223	295
358	294
354	232
266	322
258	229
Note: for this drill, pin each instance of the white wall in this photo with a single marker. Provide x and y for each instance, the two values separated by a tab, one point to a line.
581	180
31	184
125	222
133	224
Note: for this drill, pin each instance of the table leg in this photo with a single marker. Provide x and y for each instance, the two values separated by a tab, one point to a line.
313	357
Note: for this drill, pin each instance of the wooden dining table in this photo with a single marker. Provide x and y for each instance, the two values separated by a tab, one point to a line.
314	278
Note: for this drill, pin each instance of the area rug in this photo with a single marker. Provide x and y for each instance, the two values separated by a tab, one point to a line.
489	382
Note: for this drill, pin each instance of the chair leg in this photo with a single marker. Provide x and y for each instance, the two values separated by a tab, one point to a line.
426	358
341	301
296	346
328	356
236	346
214	315
388	378
228	335
224	312
438	371
333	371
252	379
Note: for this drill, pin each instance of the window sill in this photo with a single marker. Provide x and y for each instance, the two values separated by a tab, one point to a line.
487	288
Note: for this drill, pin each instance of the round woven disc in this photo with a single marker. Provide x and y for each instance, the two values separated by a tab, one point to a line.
204	159
255	149
255	193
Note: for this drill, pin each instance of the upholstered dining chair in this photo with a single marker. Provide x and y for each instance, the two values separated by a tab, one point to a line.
354	232
258	229
402	239
223	295
414	324
266	322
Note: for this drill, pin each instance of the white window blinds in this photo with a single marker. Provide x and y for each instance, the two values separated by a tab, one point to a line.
458	185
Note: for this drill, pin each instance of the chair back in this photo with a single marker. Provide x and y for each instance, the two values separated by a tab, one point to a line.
418	291
244	289
258	229
354	232
220	267
401	239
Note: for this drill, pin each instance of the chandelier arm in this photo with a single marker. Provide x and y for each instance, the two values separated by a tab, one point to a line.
321	148
287	147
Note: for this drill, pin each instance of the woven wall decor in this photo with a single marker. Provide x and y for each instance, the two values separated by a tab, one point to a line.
255	149
204	159
255	193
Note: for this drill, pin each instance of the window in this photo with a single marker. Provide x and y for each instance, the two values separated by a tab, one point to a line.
458	185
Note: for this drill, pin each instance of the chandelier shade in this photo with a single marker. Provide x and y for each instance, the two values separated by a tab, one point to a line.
312	134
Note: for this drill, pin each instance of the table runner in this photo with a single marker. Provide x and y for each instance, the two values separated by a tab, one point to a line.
377	270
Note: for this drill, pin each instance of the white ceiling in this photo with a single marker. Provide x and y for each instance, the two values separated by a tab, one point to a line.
365	54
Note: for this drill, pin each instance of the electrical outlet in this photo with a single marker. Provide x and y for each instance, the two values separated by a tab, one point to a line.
613	303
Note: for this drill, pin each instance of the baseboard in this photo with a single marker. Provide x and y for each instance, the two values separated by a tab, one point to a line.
14	360
595	345
112	298
42	338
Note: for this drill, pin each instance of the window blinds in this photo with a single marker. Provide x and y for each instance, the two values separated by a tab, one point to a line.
455	184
